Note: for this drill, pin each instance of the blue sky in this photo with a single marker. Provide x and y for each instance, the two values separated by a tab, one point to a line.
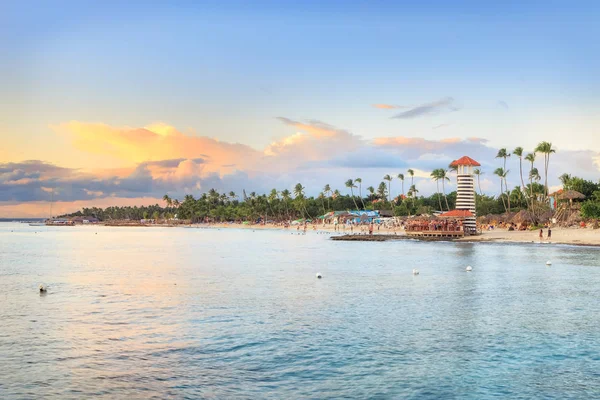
517	72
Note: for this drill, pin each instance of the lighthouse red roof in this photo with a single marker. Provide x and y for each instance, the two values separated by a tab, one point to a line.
465	161
456	214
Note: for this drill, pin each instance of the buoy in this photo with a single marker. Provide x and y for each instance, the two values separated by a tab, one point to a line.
548	263
415	271
469	268
43	289
319	276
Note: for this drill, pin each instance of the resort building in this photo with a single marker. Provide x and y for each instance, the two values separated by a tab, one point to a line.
465	199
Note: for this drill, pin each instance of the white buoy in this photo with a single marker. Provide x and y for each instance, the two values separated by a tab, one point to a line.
43	289
469	268
548	263
415	271
319	276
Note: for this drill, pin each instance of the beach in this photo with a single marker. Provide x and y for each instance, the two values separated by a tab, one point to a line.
571	236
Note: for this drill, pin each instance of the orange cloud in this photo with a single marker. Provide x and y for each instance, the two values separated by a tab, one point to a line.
388	106
156	142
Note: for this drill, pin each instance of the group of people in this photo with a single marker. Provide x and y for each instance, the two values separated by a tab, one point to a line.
542	234
448	225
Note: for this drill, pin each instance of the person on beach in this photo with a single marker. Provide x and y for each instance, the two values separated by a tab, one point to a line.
549	233
541	235
371	228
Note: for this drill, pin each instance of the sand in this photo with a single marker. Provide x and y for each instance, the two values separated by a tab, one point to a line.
573	236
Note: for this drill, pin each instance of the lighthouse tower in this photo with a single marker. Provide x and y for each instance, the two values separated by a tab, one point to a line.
465	199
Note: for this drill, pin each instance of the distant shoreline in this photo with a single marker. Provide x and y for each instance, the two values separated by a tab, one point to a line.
567	236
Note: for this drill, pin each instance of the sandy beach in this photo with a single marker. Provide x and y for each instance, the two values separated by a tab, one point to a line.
572	236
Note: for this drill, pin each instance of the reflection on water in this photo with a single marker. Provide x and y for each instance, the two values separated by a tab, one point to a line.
141	313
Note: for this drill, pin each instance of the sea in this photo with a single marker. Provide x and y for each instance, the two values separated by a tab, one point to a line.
187	313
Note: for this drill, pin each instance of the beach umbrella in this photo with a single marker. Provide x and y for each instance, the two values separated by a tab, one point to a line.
570	195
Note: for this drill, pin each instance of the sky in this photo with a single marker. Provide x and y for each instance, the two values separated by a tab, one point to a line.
107	103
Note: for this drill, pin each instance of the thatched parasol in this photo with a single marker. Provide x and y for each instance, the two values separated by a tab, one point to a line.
523	216
570	195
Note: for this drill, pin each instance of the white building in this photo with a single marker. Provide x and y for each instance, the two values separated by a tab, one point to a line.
465	199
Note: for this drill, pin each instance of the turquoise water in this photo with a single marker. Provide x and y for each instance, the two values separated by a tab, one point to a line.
224	314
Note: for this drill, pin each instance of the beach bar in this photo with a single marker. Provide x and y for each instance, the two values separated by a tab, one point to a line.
449	225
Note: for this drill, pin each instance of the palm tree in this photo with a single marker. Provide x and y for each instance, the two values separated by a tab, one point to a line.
435	175
401	177
412	193
389	179
299	195
412	176
443	175
531	158
478	173
565	179
371	191
350	184
502	153
286	196
501	174
176	203
359	181
546	149
167	200
271	199
534	175
519	153
327	191
322	198
382	190
336	194
411	173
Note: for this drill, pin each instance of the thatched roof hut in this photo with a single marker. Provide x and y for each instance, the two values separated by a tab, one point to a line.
546	216
523	217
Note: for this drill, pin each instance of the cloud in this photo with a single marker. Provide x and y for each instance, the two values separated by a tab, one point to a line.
440	126
318	141
155	142
445	104
388	106
314	153
502	104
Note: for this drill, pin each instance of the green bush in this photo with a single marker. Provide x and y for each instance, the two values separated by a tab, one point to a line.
591	210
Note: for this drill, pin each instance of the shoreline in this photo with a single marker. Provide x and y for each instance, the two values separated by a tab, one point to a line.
566	236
